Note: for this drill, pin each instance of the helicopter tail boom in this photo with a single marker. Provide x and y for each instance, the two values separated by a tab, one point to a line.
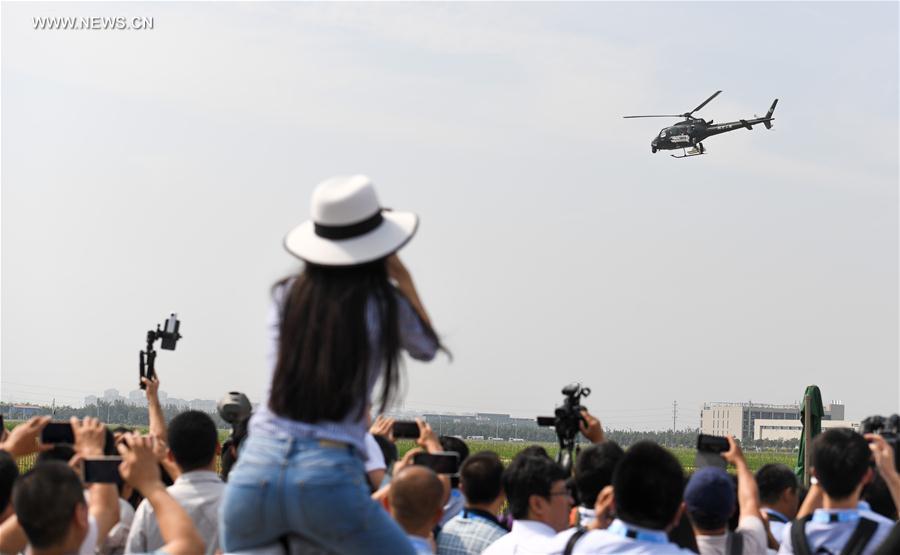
768	120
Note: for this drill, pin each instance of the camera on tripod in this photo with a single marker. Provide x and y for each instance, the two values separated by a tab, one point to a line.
567	421
888	428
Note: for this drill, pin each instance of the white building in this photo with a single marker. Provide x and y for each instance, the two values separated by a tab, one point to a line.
777	421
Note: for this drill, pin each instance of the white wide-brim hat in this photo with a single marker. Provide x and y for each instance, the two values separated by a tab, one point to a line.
348	225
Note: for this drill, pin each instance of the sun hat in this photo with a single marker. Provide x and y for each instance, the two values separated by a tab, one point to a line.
348	225
710	492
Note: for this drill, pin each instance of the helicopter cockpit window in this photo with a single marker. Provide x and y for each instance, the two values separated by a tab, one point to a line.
662	134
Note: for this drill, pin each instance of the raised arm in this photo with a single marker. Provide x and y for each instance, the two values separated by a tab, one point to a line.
748	493
398	272
103	505
157	418
884	462
139	469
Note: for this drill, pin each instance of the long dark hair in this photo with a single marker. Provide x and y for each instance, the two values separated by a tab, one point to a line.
325	345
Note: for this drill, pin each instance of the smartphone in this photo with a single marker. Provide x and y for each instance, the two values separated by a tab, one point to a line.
712	444
442	463
58	432
406	429
101	470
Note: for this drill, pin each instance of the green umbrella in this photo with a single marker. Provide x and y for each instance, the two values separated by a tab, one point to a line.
816	412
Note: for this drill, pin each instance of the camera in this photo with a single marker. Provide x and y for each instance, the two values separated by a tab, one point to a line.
888	428
169	337
566	420
233	407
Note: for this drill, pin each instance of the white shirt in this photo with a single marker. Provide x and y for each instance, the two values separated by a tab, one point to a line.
199	493
775	526
834	535
607	541
527	537
750	527
375	458
117	538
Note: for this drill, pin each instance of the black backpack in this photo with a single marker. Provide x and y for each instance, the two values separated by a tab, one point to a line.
863	533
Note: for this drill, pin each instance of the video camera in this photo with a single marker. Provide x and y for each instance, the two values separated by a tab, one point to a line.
888	428
233	408
566	420
169	336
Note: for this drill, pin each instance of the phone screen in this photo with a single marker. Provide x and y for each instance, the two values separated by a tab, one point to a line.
102	470
442	463
406	429
58	432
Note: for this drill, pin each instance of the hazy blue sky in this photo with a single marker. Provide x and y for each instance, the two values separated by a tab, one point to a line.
158	170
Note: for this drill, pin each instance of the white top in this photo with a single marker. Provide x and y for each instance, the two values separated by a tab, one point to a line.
775	526
374	456
118	536
605	541
834	535
750	527
353	428
199	493
528	537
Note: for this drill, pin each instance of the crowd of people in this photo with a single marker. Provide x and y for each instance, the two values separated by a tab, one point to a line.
312	472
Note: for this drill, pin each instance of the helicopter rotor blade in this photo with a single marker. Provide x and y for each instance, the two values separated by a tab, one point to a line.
657	116
705	102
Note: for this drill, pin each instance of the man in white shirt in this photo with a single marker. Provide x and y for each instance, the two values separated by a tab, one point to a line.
539	502
193	446
841	464
779	495
648	485
710	501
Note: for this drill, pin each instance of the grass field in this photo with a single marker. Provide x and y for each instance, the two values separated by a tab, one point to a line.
508	450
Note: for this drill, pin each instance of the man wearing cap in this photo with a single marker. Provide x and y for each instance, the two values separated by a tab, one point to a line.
710	502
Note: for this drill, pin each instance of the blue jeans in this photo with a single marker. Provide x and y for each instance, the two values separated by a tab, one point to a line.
286	485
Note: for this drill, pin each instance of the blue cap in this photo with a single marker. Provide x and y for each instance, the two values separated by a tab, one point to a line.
710	491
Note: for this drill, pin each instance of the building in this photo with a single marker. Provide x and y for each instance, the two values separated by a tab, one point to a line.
776	421
792	429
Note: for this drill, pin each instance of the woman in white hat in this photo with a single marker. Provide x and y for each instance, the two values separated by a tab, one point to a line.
338	327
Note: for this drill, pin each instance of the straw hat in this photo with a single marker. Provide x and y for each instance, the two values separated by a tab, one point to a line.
348	225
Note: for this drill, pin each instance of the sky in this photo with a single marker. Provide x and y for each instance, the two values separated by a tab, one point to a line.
157	170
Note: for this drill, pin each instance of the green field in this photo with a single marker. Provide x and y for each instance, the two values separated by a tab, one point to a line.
508	450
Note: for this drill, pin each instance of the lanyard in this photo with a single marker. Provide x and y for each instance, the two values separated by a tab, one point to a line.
475	516
620	528
824	517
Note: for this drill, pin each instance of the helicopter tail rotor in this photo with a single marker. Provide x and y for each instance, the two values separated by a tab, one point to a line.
769	118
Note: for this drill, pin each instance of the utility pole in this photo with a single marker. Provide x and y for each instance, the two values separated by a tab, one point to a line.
674	414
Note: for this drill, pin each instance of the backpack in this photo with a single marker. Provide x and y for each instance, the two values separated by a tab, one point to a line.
862	534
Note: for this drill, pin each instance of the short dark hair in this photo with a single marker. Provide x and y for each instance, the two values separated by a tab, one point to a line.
649	485
62	452
594	470
454	444
841	458
772	479
192	439
45	500
535	451
529	475
481	477
9	471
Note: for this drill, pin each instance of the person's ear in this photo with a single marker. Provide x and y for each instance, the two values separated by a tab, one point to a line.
678	516
170	456
537	505
81	516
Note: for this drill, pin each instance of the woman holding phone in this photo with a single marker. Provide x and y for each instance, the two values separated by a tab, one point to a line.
337	328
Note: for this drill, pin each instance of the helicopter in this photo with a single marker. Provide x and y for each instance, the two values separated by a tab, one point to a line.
691	131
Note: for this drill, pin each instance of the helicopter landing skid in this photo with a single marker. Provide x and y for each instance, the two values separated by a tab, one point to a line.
694	151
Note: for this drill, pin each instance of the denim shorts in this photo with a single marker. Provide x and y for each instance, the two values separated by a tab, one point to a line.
287	485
